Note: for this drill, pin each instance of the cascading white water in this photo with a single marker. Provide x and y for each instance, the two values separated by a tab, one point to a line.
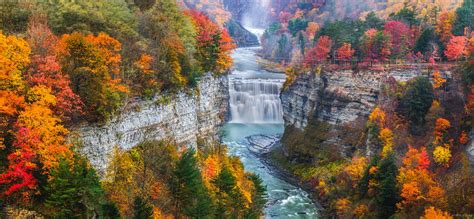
254	93
255	100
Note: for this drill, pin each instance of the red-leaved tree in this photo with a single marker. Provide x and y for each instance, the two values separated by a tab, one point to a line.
47	71
214	43
18	178
456	48
400	36
319	53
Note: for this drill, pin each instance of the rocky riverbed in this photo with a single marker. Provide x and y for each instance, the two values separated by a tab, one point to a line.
261	146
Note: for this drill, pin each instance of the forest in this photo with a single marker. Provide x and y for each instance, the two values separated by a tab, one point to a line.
416	33
63	63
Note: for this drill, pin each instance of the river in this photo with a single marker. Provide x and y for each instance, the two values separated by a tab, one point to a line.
255	108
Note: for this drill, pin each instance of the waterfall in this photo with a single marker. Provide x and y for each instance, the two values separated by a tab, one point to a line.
255	100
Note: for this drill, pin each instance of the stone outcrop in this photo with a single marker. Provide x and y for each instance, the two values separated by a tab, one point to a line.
337	97
241	36
183	118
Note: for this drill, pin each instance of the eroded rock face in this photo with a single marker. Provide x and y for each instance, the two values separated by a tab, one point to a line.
183	118
337	97
241	36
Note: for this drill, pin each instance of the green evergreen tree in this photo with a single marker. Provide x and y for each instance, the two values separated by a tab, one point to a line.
230	200
142	210
464	18
416	102
301	43
190	195
110	211
13	17
258	198
373	21
406	15
74	191
423	43
363	185
388	194
297	25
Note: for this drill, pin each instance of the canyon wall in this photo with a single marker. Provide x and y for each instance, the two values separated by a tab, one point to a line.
337	97
344	99
241	36
183	118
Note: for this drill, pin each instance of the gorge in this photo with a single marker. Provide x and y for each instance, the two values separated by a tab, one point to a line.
236	109
247	102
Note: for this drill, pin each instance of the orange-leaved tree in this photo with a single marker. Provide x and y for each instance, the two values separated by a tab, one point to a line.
345	52
418	187
434	213
456	48
444	25
45	69
145	80
92	63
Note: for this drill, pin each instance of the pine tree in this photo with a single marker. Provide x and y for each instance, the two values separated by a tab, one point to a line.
110	211
190	194
416	102
74	190
464	18
258	198
423	44
142	210
388	193
363	185
230	199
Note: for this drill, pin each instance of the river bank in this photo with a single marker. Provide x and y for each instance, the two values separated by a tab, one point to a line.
284	198
269	155
270	66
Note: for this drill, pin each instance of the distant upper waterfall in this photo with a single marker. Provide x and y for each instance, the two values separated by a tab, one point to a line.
255	100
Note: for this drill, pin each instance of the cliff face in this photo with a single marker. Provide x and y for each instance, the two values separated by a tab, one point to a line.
241	36
183	118
336	97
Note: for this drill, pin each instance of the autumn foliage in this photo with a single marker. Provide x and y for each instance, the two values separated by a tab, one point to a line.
319	53
345	52
417	183
456	48
400	36
434	213
210	177
92	63
214	43
38	135
444	25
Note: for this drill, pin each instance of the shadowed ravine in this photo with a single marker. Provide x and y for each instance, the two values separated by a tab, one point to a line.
256	109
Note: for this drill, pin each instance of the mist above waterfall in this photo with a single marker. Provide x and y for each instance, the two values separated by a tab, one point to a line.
256	16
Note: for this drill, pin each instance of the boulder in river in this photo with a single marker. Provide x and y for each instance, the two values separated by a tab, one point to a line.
262	144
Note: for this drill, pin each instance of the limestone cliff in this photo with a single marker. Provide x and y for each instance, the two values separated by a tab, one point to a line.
337	97
182	117
241	36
